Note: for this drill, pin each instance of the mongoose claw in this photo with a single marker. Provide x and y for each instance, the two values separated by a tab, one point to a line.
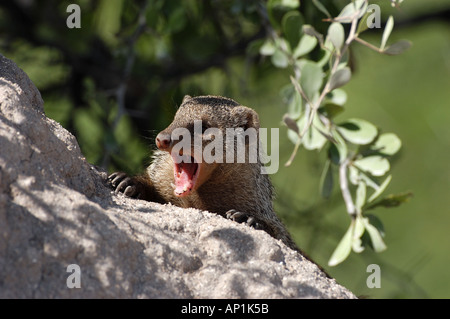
234	215
120	182
241	217
115	178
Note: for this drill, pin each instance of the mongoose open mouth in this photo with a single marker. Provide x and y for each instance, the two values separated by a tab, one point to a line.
186	173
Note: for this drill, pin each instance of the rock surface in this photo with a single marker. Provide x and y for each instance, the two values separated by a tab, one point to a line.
55	210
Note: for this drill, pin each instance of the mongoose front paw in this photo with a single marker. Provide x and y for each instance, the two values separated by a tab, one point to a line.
243	218
121	182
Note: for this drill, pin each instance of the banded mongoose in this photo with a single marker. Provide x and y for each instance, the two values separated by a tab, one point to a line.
238	191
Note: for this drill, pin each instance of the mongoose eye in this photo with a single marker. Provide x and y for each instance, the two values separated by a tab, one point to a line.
205	126
209	136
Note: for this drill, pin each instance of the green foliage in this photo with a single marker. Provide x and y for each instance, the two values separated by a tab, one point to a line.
356	148
160	50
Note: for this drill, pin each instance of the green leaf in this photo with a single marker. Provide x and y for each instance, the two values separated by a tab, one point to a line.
357	244
309	30
333	154
293	100
362	25
344	247
268	48
295	106
375	165
292	4
387	32
290	123
338	96
397	48
331	110
376	222
327	135
287	93
326	180
366	179
311	79
375	236
387	144
359	227
313	139
307	44
327	54
340	78
336	35
280	59
358	131
392	200
337	151
293	136
254	47
276	9
108	19
349	10
380	189
322	8
292	26
353	174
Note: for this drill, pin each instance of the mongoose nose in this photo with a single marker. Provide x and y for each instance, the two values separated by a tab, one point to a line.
163	141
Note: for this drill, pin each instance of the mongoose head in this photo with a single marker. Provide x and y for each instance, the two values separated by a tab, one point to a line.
194	134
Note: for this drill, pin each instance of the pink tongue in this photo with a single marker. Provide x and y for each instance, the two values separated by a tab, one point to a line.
183	177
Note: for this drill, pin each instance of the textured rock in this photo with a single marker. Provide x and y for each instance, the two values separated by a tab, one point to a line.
55	210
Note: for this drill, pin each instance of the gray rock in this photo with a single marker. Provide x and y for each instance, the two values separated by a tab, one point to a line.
55	211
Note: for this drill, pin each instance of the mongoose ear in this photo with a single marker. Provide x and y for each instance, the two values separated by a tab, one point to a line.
252	119
249	115
186	98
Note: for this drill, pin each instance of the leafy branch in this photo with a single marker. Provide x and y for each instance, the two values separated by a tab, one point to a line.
356	148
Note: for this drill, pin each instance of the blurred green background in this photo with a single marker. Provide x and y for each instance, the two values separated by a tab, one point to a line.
117	81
